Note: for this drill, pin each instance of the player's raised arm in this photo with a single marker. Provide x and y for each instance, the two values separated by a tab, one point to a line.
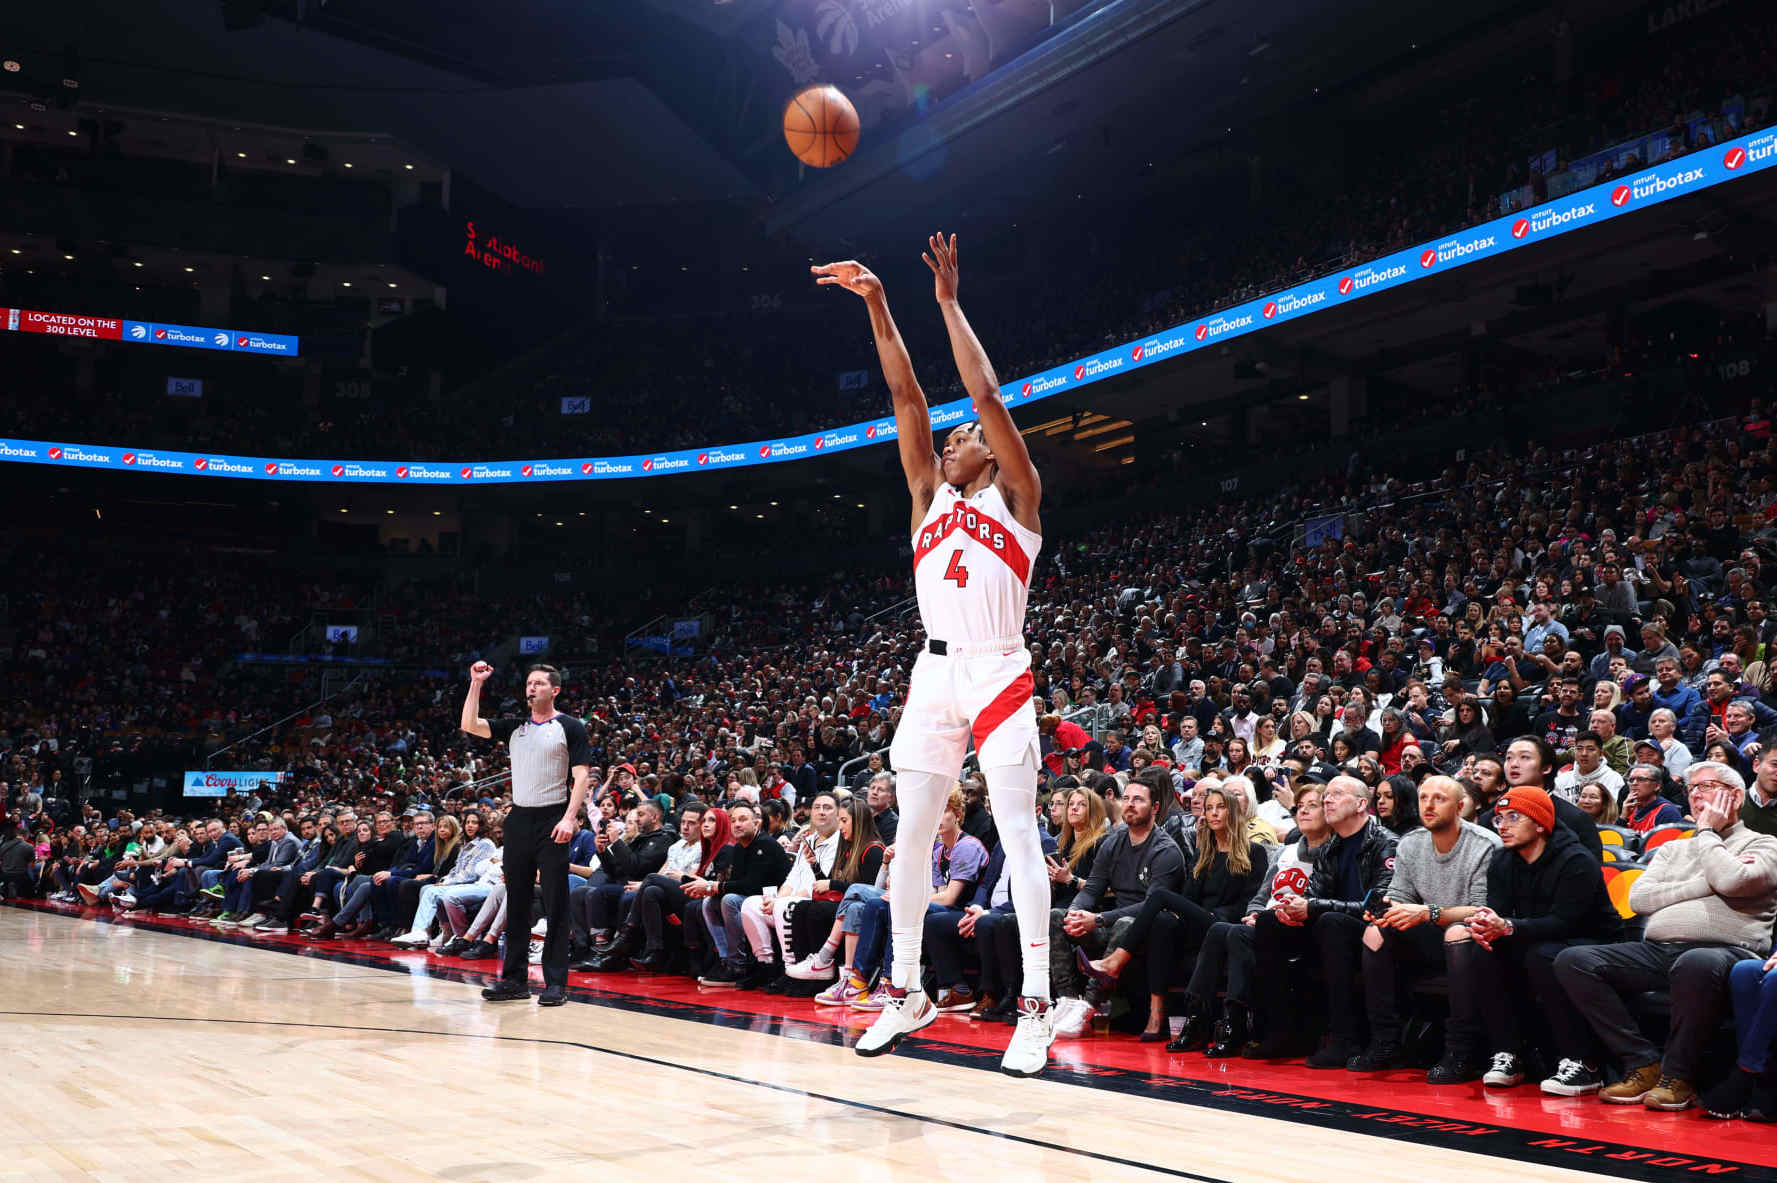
913	421
1017	475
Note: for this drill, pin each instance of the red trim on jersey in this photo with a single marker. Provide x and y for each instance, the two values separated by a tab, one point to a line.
1002	707
986	530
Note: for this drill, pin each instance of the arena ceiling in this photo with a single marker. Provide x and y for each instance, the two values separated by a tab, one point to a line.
657	102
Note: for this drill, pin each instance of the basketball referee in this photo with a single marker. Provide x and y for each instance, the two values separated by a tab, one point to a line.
550	753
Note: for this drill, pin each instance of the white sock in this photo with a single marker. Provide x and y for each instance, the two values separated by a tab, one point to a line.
1013	789
922	797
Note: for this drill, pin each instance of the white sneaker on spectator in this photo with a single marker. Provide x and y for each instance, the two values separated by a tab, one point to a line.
1506	1072
817	967
1028	1053
1071	1018
254	921
536	953
439	941
409	938
843	992
902	1015
872	1000
122	900
541	928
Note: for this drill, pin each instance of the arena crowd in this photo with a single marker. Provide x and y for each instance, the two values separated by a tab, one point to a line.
1468	782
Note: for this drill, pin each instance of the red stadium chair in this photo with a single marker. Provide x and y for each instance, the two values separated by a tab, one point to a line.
1660	835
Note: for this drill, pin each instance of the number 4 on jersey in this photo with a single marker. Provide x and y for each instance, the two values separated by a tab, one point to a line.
956	572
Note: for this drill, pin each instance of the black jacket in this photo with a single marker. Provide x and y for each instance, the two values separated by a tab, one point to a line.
887	822
749	870
627	862
382	852
1220	891
978	824
341	853
1559	897
1375	865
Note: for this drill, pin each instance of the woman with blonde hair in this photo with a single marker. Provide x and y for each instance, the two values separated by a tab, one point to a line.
1170	928
1267	745
1607	695
1597	804
446	841
1087	824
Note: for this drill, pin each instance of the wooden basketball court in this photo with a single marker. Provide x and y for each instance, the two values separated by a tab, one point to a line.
153	1047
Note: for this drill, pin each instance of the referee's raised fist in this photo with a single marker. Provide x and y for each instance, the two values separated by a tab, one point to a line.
479	672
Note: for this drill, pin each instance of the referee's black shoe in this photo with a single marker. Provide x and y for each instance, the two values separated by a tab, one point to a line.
552	996
504	991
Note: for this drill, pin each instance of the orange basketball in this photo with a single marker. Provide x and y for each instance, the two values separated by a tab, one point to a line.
821	126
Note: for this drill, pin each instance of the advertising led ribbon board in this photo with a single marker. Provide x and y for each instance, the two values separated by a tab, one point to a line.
142	332
204	783
1718	165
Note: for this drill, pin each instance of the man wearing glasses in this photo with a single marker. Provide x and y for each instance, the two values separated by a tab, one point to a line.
1324	921
1544	895
1644	807
1709	903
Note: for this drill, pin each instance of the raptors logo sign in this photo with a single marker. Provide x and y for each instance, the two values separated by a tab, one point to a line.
1290	883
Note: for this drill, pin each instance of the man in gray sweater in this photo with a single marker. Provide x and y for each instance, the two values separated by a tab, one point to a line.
1440	880
1709	903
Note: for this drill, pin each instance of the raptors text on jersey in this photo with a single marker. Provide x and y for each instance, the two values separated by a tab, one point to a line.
971	567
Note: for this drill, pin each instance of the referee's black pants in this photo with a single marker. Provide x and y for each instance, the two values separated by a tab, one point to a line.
533	856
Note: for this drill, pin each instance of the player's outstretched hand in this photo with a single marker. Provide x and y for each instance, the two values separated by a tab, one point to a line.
480	672
850	275
941	258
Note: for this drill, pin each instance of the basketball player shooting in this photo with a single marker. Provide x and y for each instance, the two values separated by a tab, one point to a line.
976	534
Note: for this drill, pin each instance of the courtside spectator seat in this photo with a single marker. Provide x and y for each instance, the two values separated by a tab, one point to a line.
1660	835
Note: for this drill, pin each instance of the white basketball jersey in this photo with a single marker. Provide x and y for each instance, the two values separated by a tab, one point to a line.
971	567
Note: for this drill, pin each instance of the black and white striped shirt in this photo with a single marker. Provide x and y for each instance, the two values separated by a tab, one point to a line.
543	756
